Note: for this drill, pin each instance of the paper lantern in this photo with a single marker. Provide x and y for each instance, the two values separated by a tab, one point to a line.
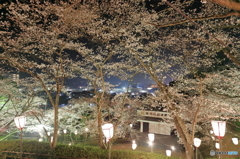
134	146
20	122
235	140
197	142
219	128
108	131
151	137
168	152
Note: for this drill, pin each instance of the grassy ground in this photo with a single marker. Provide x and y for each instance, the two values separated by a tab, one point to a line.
227	145
122	144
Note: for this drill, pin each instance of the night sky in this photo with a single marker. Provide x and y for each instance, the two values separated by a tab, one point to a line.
140	79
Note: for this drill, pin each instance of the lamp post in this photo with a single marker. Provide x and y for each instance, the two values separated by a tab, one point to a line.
151	139
219	128
108	133
197	143
76	132
86	129
64	133
217	145
20	122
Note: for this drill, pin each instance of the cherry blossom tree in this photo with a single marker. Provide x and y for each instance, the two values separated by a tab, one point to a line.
36	43
17	101
162	39
118	109
98	67
165	45
72	118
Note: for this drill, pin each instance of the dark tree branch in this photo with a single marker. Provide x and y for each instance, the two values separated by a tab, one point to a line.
227	3
198	19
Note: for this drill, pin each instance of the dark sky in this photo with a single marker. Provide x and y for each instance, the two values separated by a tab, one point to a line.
139	79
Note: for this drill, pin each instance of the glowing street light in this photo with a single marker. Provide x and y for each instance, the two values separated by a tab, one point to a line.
151	139
197	143
108	133
76	132
168	153
134	145
235	140
217	145
20	122
64	132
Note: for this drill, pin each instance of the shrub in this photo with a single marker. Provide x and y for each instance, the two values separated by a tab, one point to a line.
237	126
41	150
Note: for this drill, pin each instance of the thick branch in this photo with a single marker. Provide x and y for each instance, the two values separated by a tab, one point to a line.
226	52
9	96
198	19
227	3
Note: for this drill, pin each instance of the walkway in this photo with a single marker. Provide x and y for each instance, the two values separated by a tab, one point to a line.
162	142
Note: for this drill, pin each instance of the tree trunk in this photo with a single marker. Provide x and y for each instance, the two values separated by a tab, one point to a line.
185	136
55	132
100	128
189	151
